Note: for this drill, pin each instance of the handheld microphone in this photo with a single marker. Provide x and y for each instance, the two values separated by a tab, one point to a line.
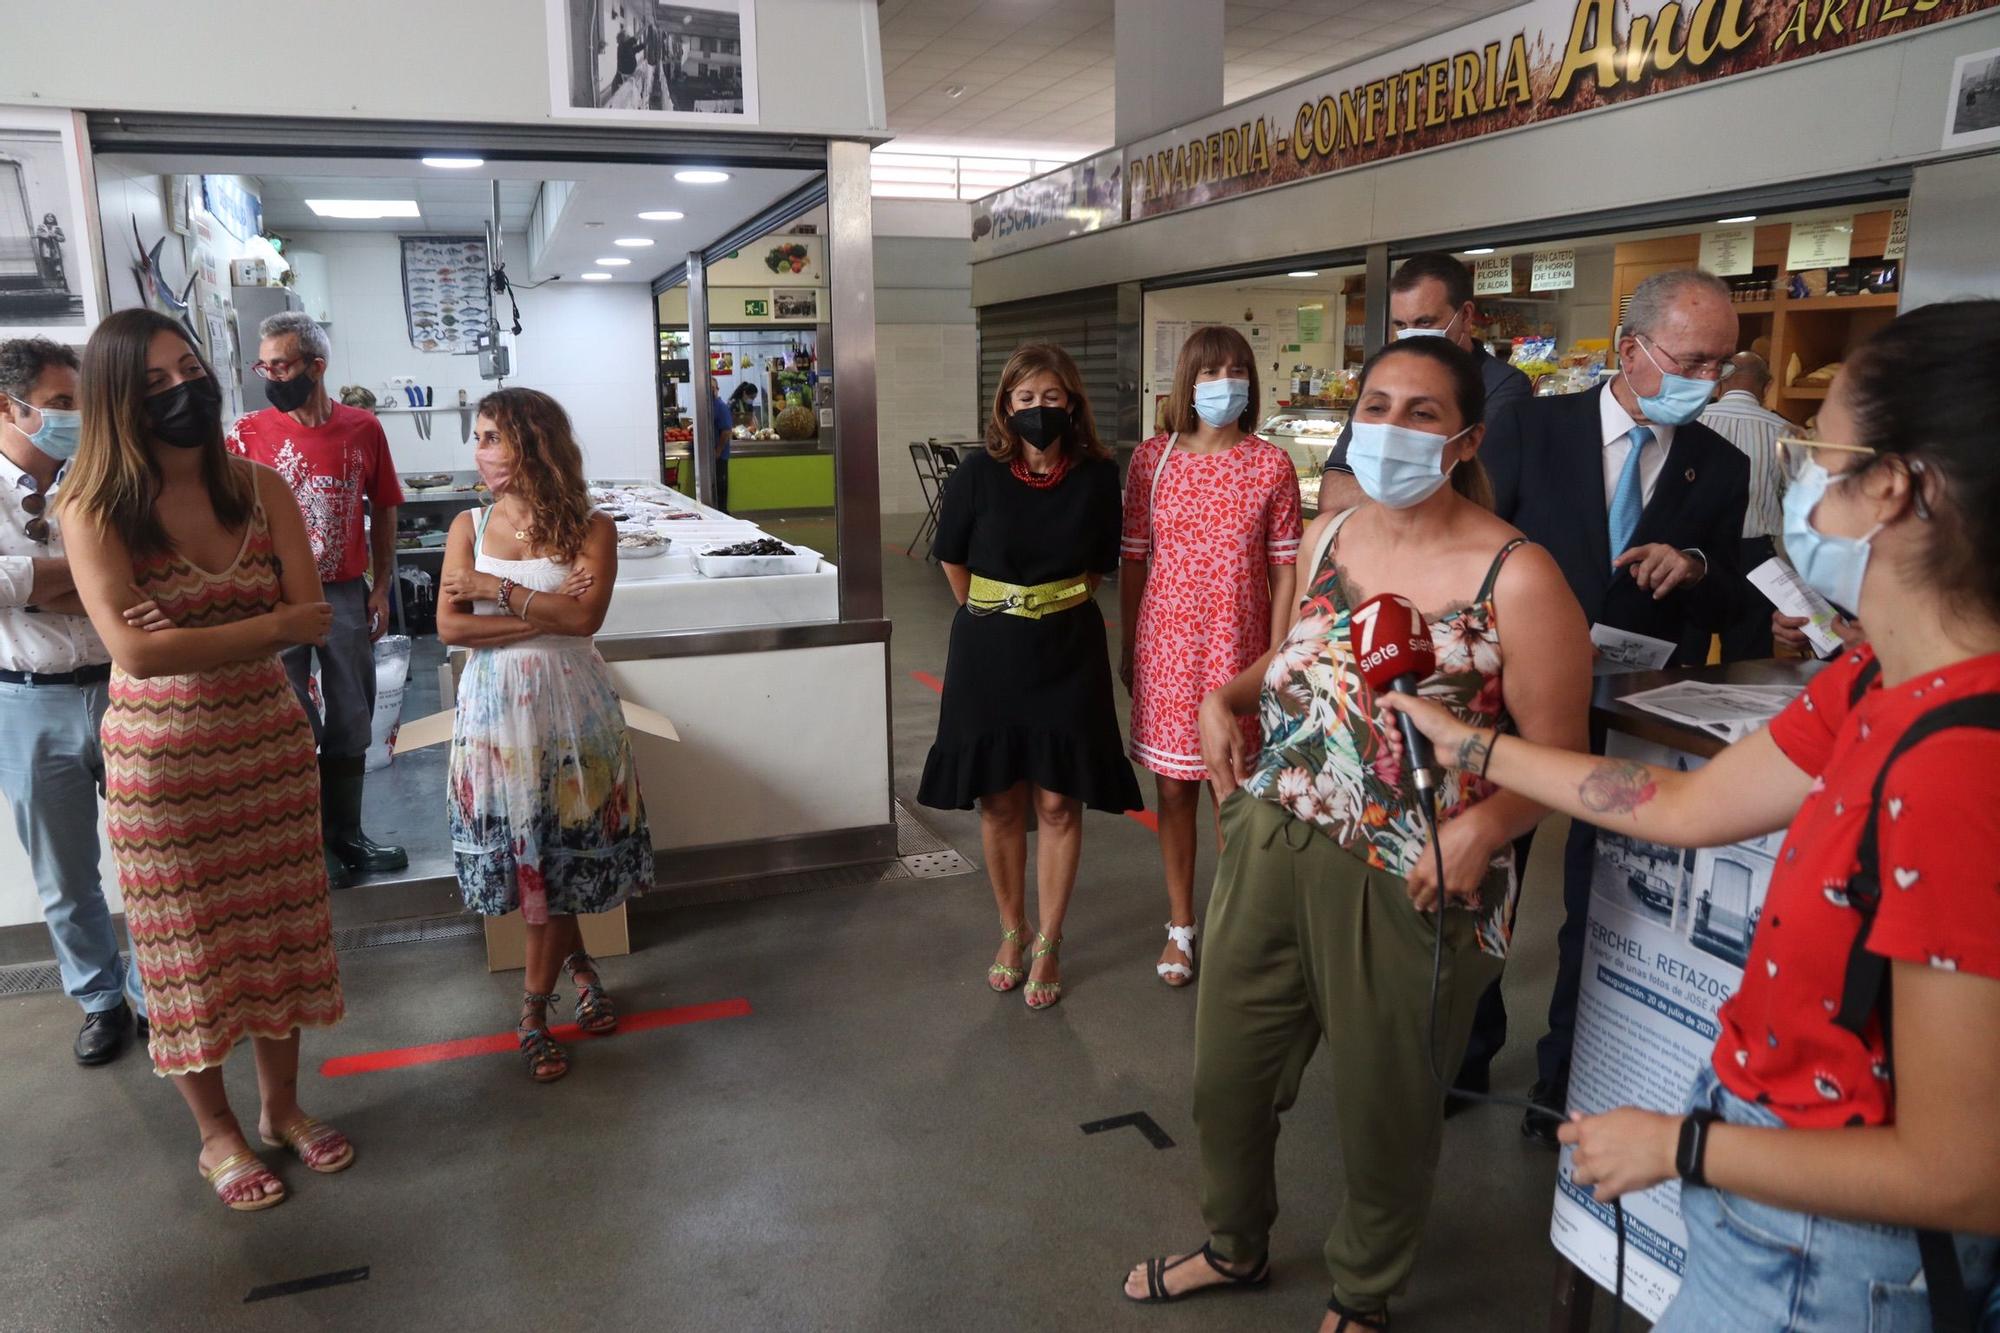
1392	651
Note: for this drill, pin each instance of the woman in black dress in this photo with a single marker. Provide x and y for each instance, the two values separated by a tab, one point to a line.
1027	530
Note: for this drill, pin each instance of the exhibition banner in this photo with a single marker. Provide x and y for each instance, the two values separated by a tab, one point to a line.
1081	197
1668	937
1536	62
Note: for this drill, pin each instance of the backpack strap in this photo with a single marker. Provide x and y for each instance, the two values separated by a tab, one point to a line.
1864	679
1865	990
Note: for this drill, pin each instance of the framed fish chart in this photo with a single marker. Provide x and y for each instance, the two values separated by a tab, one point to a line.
447	298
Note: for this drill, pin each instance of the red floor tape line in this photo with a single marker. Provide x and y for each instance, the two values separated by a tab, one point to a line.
928	681
466	1047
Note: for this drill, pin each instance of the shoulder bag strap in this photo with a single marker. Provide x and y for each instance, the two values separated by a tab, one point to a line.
1159	471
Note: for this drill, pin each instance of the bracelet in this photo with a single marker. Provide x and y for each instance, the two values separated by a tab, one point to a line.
506	591
1486	761
530	601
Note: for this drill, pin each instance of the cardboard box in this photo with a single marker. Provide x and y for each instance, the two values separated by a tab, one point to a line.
604	936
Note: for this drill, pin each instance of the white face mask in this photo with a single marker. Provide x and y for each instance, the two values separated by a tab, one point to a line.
1444	332
1398	467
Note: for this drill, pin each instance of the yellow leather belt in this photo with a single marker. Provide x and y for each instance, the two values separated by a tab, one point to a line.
988	596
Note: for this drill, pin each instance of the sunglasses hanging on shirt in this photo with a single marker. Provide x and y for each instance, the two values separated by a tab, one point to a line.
34	503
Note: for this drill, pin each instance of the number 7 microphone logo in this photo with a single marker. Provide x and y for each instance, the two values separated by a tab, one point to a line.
1365	617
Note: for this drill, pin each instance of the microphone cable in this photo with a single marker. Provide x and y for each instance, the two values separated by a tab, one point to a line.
1427	799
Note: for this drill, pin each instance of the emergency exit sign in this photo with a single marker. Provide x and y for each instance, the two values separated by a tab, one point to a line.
759	308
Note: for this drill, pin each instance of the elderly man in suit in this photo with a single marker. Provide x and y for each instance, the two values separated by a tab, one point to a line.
1430	296
1642	506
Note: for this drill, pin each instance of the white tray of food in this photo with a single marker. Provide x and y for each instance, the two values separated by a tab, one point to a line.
711	563
640	544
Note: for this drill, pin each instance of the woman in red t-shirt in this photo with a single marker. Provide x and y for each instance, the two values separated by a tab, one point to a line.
1811	1154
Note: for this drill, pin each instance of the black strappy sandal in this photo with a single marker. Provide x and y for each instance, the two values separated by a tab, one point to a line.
1158	1267
547	1061
594	1011
1360	1319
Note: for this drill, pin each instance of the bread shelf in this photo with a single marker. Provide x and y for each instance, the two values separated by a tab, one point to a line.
1865	301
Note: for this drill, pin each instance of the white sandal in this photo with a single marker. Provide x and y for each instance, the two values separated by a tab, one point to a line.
1183	939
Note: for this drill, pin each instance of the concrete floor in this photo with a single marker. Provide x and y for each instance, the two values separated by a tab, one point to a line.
881	1144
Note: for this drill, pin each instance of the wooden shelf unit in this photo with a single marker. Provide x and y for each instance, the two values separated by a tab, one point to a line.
1818	329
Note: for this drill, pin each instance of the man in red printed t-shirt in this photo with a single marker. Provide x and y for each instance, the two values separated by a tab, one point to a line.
337	461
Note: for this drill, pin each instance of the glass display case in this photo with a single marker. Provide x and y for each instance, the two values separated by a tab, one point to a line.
1308	434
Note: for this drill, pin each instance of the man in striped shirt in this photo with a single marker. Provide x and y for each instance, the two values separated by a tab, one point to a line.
1740	417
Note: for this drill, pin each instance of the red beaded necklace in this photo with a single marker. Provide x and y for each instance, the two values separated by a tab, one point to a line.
1041	481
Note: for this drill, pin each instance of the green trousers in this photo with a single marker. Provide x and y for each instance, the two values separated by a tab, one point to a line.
1305	941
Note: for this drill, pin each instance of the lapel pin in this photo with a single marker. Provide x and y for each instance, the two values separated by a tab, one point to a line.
1690	474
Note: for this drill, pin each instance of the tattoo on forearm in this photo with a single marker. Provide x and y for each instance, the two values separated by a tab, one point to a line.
1617	786
1473	752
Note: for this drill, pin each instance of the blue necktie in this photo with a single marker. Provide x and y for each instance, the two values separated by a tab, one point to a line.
1627	500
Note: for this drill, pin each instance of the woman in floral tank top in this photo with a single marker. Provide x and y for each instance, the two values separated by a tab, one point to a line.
1320	924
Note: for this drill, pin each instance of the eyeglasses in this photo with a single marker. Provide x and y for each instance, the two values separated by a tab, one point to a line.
1797	453
37	527
1717	371
275	370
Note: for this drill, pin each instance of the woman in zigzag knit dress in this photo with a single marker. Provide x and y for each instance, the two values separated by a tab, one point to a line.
196	571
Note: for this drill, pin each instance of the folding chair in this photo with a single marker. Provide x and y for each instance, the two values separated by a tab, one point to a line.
932	486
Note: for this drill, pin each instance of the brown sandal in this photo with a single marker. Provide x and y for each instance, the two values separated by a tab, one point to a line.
235	1170
321	1147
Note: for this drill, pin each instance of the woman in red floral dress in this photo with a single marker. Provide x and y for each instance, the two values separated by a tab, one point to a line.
1210	546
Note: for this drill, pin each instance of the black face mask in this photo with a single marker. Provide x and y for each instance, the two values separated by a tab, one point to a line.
292	394
187	416
1040	426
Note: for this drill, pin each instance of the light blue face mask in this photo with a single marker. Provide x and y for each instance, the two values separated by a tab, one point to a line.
60	432
1444	332
1831	566
1395	466
1219	402
1680	398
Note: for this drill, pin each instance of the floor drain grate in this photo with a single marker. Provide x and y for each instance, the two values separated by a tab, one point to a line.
937	865
912	838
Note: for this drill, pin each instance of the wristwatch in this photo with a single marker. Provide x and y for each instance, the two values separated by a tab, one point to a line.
1690	1157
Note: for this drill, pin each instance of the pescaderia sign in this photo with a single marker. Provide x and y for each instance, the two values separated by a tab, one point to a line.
1081	197
1534	63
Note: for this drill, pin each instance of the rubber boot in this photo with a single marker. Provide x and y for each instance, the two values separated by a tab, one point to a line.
340	801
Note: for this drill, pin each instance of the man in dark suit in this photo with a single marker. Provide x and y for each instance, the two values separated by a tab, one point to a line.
1429	297
1642	507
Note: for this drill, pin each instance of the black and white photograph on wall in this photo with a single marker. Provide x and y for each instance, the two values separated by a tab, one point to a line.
648	60
1724	897
46	284
1973	117
795	303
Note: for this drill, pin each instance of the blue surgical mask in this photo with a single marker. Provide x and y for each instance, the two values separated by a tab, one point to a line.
59	433
1680	398
1219	402
1397	467
1831	566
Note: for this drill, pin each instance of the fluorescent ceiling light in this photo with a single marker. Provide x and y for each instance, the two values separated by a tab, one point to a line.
455	163
1303	273
661	215
633	242
596	277
701	176
363	208
1481	250
1747	217
614	261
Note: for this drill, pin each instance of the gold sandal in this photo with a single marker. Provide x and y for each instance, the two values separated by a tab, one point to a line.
1001	977
321	1147
232	1171
1043	994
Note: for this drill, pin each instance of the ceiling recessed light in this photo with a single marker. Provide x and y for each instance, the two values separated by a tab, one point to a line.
596	277
662	215
455	163
614	261
633	242
701	176
1303	273
1747	217
954	90
363	208
1480	250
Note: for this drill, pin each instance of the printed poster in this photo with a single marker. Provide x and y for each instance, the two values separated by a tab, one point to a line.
1669	933
1729	252
445	296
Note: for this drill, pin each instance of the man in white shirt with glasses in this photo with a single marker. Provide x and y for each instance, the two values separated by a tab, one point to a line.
54	676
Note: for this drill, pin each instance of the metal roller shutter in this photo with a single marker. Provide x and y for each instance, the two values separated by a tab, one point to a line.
1085	324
